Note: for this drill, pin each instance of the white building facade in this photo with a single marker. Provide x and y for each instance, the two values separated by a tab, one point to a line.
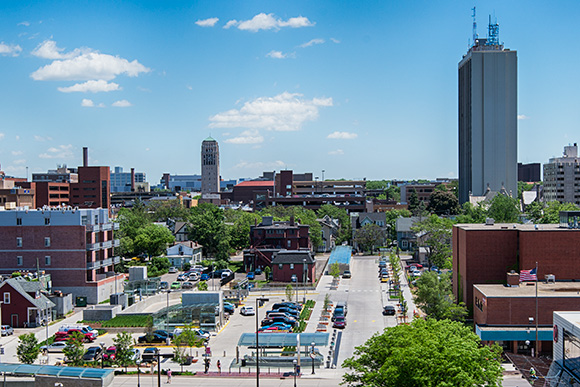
562	177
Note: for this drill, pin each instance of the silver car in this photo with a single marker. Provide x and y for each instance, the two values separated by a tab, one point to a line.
7	330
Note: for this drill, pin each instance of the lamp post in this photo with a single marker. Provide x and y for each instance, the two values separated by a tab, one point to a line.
167	314
102	344
312	355
258	299
138	362
295	364
158	354
46	324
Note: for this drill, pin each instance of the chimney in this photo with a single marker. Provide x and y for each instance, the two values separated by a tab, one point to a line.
513	278
132	179
85	156
166	180
292	220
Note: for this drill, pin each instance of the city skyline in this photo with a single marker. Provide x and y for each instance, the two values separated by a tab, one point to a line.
356	91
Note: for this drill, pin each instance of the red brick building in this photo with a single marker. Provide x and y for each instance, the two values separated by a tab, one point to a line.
49	193
483	254
23	303
76	247
299	263
269	237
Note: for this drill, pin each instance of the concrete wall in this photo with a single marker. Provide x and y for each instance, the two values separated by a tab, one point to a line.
63	304
137	273
101	312
139	307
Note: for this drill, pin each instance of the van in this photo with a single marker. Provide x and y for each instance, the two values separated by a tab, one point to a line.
342	305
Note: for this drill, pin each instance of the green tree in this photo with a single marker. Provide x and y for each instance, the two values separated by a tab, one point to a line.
335	270
369	236
208	228
74	349
239	227
345	232
504	209
391	220
435	235
124	345
548	212
522	187
434	295
267	272
425	353
289	292
443	203
153	239
158	266
28	348
202	285
413	201
471	214
302	216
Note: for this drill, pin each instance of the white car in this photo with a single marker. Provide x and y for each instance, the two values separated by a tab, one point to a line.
194	276
247	311
57	346
172	269
416	273
7	330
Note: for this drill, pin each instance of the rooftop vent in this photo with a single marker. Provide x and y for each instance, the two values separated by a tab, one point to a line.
489	221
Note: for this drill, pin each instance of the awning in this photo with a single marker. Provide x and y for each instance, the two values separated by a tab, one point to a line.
513	333
274	340
35	369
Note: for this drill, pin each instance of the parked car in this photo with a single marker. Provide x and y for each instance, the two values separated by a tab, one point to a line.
194	276
291	305
389	310
57	346
182	277
294	278
158	336
229	307
93	354
204	277
136	354
65	335
172	269
258	271
7	330
285	320
226	273
187	285
163	285
163	332
175	285
416	273
110	353
82	327
251	275
346	274
247	311
339	322
279	325
288	311
149	354
271	330
412	268
384	278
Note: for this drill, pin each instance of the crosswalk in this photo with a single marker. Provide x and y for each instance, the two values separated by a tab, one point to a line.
363	291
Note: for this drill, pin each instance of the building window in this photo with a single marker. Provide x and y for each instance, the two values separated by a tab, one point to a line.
18	241
280	266
47	260
19	221
47	242
289	243
47	221
84	220
7	298
19	261
291	266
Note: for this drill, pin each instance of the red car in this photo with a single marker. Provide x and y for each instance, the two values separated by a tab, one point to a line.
110	354
339	322
65	335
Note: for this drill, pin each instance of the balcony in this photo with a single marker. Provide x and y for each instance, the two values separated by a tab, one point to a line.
106	227
116	243
93	265
115	226
107	262
116	260
106	244
93	227
93	246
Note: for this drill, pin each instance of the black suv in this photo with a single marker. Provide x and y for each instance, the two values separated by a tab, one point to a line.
389	310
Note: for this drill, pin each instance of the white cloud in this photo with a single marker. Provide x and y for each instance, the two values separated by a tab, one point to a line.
264	21
261	164
24	23
247	137
10	49
87	103
337	152
523	117
2	136
312	43
60	152
16	153
335	40
17	138
279	55
91	86
342	136
49	50
284	112
88	66
122	103
19	161
42	139
207	22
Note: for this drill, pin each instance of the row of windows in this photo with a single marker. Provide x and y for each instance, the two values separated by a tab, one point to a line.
20	261
19	242
19	221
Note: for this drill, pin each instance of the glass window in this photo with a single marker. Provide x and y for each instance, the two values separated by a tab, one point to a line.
7	298
18	242
47	221
572	353
19	261
19	221
291	266
47	260
47	242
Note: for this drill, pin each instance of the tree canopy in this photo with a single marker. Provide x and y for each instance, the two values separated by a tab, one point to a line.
548	212
504	209
435	235
369	236
152	240
434	295
28	348
428	352
443	202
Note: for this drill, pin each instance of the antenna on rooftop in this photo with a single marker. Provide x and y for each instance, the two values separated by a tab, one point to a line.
474	26
492	33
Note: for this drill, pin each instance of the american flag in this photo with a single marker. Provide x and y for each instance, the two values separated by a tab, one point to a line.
528	275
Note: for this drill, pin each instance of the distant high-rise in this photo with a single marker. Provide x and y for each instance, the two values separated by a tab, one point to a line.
561	175
488	108
210	166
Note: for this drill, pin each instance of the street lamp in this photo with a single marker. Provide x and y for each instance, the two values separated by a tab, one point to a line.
158	354
102	344
312	356
295	364
258	299
138	362
167	314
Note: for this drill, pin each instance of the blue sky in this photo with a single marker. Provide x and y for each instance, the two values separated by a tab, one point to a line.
359	89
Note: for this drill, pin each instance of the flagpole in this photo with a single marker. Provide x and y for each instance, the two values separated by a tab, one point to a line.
536	308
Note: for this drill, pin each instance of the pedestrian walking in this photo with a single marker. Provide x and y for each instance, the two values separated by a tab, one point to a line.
219	366
533	373
169	376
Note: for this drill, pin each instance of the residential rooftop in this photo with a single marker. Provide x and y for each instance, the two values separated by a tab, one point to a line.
528	289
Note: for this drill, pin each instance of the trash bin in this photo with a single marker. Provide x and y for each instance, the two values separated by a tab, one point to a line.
243	362
81	301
